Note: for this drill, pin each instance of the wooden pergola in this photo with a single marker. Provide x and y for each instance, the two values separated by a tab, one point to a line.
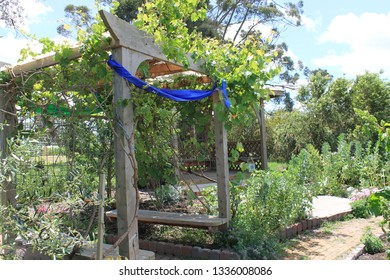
130	47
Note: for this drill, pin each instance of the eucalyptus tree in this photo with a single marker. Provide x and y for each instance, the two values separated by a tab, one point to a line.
11	13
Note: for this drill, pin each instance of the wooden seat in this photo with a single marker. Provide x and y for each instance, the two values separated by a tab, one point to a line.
176	219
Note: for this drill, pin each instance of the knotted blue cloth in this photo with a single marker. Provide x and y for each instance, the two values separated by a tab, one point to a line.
173	94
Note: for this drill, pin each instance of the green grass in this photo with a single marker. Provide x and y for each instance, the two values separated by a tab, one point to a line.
329	227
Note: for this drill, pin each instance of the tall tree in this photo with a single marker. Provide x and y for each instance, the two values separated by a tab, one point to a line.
238	20
11	13
80	17
372	94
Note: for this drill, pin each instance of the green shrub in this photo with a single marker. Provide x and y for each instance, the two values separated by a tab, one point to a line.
372	243
272	201
167	195
360	209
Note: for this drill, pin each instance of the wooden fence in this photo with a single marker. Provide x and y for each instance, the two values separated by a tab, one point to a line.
207	162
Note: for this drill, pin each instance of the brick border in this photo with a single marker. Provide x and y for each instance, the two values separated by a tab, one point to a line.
198	253
181	251
359	250
309	224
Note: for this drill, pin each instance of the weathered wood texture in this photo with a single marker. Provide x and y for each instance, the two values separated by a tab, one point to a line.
175	219
102	187
263	150
41	62
222	164
126	195
130	37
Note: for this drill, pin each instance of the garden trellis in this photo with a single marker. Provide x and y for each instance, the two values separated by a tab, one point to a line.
130	47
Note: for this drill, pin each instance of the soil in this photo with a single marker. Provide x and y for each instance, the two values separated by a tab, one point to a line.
378	256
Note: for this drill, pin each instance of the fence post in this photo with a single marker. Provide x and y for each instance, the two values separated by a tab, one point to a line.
102	187
263	142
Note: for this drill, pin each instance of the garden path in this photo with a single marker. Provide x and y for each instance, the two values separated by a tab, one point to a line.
337	241
340	241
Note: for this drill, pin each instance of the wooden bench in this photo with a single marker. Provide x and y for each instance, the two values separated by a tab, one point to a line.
176	219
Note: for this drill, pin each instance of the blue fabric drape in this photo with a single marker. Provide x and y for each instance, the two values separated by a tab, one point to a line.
173	94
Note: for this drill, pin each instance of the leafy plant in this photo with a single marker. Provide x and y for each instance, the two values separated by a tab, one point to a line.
168	195
379	203
271	201
360	208
373	244
49	216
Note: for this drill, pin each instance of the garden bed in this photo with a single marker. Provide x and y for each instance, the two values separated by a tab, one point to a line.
376	256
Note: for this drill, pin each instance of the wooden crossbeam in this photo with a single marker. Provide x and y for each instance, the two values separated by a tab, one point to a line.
128	36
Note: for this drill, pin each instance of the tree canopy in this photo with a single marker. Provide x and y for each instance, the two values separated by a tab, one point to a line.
357	108
11	13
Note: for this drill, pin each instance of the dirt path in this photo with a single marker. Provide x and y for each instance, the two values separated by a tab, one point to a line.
334	241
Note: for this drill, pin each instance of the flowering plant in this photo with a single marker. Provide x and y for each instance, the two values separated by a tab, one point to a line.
365	193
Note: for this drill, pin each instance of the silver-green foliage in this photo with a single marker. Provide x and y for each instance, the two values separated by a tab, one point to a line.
272	201
373	244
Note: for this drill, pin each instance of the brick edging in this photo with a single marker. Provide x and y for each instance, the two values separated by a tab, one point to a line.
181	251
359	250
309	224
198	253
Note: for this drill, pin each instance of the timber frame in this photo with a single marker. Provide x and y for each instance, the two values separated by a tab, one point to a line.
130	47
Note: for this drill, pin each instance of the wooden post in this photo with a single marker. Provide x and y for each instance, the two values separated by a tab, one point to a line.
102	182
125	162
222	164
175	146
263	142
8	122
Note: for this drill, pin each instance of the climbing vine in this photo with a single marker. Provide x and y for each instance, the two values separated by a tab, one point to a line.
246	67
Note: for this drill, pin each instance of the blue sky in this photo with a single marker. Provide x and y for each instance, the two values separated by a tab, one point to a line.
346	37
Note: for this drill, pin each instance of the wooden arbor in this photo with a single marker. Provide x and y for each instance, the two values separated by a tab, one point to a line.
130	47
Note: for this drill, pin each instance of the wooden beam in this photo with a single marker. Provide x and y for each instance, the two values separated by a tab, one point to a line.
41	62
222	164
130	37
123	34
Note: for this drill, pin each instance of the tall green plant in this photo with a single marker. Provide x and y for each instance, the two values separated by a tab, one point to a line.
379	205
272	201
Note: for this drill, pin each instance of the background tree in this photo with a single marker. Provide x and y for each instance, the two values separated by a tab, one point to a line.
236	21
11	13
331	107
371	93
80	18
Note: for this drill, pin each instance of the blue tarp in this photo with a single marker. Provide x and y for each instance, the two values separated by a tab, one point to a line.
173	94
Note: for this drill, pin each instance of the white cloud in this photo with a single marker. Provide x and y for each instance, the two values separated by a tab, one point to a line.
12	43
309	23
10	48
368	39
33	10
